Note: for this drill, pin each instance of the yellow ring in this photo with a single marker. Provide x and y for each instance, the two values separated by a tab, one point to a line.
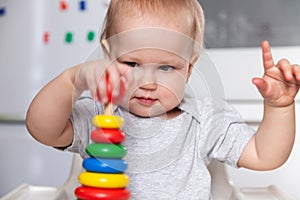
101	180
108	121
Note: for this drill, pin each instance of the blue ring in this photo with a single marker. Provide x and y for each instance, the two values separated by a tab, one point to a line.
102	165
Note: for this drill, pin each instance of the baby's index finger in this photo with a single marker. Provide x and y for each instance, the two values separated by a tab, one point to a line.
267	55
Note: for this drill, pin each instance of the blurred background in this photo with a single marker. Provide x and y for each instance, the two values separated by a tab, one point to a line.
41	38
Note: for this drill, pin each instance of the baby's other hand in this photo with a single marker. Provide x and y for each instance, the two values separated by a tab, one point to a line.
280	83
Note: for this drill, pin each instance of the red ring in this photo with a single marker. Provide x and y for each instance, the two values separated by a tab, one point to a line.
93	193
103	135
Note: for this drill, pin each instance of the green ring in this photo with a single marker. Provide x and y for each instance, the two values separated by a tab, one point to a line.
99	150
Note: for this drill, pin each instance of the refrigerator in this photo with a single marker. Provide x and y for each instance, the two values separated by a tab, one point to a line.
39	39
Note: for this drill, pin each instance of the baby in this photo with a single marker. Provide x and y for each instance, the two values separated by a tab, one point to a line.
150	48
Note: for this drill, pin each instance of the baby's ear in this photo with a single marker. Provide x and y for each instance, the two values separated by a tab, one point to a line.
192	61
194	58
105	47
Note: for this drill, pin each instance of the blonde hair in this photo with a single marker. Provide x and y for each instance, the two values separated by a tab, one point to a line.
191	10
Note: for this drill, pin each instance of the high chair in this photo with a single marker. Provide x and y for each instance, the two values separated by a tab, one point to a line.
222	189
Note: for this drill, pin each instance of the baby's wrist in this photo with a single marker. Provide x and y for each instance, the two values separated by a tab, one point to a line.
282	108
73	82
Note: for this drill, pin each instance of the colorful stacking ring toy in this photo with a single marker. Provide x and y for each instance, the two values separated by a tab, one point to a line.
113	166
104	178
92	193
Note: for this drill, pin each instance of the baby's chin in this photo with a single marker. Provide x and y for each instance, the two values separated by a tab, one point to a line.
154	111
162	113
148	114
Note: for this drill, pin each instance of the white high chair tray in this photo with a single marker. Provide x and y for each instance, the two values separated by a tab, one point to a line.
267	193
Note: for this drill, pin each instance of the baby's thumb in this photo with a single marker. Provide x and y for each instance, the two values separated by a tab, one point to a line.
260	85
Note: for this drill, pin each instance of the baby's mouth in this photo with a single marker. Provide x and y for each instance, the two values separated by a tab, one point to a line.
146	100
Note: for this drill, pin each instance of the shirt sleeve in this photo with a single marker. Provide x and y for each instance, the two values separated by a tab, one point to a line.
81	118
225	132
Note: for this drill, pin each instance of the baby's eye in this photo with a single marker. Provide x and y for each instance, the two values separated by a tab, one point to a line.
131	64
166	67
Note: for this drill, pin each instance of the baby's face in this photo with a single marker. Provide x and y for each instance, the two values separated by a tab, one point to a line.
158	81
158	58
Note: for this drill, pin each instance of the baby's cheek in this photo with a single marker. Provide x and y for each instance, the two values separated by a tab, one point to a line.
172	97
176	89
125	101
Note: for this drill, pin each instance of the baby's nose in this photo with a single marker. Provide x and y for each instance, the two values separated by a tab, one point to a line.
147	79
148	86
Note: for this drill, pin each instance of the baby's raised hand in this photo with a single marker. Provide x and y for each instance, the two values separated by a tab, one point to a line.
280	83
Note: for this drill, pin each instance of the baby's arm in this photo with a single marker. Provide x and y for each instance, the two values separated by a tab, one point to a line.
47	118
48	114
273	142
